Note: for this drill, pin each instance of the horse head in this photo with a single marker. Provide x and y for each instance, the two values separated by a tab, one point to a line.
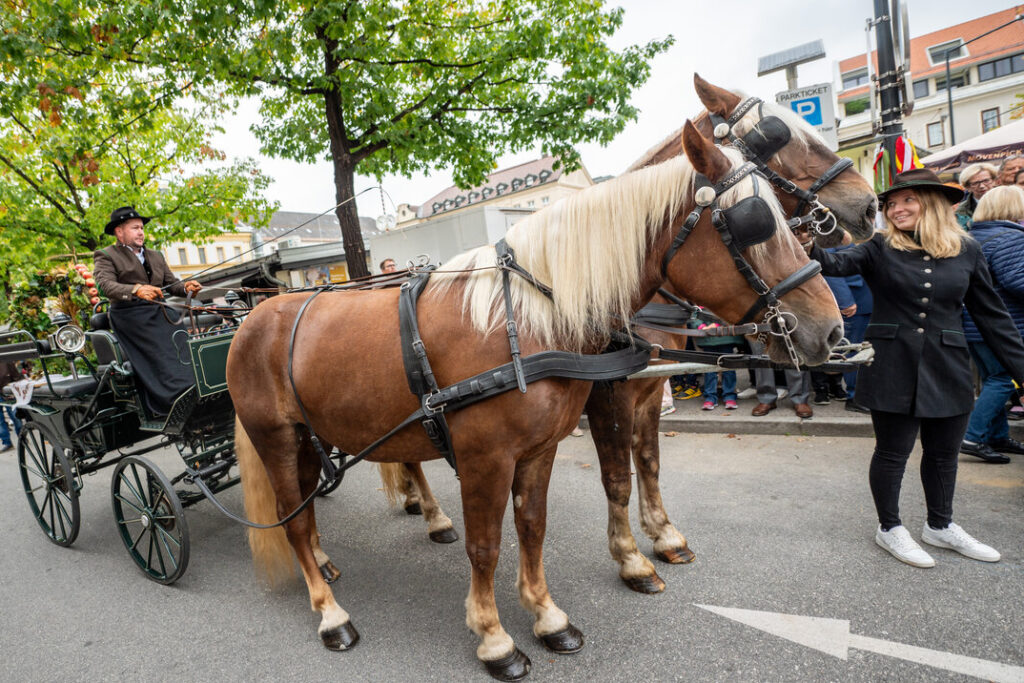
739	255
784	143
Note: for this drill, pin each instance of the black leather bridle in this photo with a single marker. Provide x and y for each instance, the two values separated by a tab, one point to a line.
746	223
765	139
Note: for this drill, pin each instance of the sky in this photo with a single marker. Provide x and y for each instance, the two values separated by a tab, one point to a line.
721	40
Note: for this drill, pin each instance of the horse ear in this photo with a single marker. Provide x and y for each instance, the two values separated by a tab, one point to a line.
706	158
716	100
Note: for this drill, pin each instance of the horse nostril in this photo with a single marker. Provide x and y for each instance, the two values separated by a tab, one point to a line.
835	336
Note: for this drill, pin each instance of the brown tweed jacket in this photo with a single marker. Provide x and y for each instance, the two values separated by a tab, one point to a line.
117	270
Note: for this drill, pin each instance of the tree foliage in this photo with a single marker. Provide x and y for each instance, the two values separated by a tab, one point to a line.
404	86
85	127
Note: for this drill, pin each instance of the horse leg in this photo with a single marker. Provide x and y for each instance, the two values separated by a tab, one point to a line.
484	496
410	492
294	475
530	502
669	545
327	568
611	426
439	527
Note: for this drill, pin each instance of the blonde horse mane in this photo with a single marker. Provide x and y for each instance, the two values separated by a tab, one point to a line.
589	248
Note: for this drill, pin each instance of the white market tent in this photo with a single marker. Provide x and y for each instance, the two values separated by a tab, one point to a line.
991	147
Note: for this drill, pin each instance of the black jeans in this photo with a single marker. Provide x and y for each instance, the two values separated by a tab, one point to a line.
895	434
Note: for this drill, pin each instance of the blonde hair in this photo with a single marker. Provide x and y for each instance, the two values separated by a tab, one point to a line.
936	232
975	169
1003	203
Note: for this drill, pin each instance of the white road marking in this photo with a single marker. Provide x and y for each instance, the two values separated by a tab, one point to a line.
833	637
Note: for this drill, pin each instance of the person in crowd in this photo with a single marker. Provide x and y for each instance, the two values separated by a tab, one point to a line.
8	373
1019	180
854	300
997	228
798	382
388	265
728	386
133	278
1008	170
921	271
977	179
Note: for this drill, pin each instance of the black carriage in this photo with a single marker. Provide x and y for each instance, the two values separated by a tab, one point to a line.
95	417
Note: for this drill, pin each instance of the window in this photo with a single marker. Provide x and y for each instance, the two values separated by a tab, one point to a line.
202	254
182	257
238	251
220	254
921	88
935	134
852	79
856	106
958	81
544	201
1001	67
530	203
956	48
989	119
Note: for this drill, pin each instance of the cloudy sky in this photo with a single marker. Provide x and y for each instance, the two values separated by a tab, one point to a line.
719	39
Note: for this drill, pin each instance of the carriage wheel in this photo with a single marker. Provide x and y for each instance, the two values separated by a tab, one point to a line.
150	519
49	484
338	458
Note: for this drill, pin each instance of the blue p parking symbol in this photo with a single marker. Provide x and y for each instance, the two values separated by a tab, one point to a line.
808	109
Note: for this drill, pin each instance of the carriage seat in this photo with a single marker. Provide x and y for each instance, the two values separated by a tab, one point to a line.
99	321
62	389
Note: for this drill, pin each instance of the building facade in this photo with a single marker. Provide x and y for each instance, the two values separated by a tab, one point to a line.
985	76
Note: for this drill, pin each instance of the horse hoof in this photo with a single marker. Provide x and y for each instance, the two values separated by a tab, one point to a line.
645	584
413	509
343	637
444	536
564	642
676	555
329	572
514	667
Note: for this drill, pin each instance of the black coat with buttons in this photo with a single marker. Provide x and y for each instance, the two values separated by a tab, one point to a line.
921	364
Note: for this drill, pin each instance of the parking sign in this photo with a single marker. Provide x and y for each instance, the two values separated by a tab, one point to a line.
814	105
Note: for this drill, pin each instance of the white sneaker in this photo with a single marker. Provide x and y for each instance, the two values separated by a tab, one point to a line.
955	538
897	541
749	392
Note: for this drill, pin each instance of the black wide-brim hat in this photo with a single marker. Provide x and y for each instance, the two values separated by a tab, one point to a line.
922	179
119	216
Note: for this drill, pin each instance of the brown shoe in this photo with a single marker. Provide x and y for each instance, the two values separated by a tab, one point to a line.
803	411
762	409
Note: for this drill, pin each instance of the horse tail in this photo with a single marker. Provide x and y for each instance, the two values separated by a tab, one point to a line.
271	552
392	476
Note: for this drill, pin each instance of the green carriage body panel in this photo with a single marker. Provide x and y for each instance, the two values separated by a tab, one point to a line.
209	354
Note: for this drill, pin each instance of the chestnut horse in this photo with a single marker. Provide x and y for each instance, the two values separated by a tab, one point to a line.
601	252
623	416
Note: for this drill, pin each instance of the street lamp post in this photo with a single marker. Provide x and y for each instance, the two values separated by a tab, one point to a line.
949	86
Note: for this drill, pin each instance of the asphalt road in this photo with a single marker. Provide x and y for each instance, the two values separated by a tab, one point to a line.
779	524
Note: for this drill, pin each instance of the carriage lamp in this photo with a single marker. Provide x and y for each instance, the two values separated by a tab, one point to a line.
69	338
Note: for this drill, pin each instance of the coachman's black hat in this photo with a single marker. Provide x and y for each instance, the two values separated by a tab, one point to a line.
922	179
119	216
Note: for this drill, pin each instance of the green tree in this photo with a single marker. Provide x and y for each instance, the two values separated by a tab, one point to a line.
404	86
85	127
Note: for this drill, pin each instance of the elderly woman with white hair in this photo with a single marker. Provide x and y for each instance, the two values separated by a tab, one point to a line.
977	179
997	228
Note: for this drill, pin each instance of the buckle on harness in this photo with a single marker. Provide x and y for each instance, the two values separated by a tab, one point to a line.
429	408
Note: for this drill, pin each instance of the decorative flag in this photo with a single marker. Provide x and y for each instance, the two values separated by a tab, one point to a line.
906	160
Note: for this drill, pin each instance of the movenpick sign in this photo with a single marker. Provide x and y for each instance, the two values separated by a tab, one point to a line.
814	104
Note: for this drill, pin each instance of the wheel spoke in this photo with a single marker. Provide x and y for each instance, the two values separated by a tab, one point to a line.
60	517
34	452
38	473
166	536
142	532
130	504
170	553
135	492
143	492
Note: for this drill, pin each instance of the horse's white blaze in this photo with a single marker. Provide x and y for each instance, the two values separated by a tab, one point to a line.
333	616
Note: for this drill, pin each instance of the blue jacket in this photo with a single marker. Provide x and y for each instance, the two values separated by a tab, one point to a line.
850	290
1002	243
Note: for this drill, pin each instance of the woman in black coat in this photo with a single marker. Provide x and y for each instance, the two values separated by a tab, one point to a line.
921	271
